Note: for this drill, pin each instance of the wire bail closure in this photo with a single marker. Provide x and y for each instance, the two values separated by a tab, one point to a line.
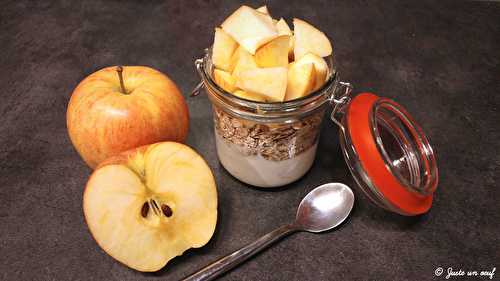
196	91
340	98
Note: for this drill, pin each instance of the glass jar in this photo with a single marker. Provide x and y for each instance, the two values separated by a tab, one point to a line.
266	144
273	144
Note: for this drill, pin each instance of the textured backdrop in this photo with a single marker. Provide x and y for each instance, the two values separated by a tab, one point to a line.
439	59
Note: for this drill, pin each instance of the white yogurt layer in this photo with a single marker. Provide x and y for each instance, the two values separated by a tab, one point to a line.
258	171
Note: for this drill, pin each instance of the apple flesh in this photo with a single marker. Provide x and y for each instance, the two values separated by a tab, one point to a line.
266	61
225	80
250	28
265	12
308	39
284	29
148	205
269	82
263	9
301	79
274	53
320	67
223	49
249	96
106	116
242	61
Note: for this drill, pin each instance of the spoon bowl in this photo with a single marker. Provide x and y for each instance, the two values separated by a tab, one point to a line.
325	207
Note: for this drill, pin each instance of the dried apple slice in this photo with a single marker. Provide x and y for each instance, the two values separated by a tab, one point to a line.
223	49
301	80
269	82
242	60
225	80
308	39
251	29
320	67
148	205
274	53
249	96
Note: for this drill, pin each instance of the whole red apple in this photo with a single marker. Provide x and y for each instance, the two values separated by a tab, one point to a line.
120	108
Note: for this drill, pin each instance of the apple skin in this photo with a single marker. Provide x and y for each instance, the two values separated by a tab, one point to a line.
103	121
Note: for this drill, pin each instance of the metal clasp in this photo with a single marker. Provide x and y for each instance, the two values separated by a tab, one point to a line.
199	67
340	98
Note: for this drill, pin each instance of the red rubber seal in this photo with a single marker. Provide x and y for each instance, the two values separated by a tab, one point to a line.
363	140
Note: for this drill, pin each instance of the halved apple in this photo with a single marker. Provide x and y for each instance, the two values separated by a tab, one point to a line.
274	53
225	80
249	96
251	29
308	39
301	80
148	205
242	60
269	82
223	49
320	67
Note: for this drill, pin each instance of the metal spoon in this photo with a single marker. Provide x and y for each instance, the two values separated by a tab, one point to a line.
322	209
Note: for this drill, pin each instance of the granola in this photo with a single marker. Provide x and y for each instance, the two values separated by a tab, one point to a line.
274	141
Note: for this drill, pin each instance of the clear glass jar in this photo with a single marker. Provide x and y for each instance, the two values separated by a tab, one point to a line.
266	144
273	144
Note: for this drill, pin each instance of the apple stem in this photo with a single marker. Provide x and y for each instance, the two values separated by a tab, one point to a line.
119	69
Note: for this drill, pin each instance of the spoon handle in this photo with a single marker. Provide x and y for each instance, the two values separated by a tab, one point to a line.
228	262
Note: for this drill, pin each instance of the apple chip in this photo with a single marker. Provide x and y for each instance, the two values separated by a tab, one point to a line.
284	29
251	29
308	39
263	9
269	82
225	80
265	13
223	49
320	66
249	96
274	53
242	60
301	79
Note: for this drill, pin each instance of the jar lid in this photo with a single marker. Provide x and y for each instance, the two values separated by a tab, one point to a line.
388	154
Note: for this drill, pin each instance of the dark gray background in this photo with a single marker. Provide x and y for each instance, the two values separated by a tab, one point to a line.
439	59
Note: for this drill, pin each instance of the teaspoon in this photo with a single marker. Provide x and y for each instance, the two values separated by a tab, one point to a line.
324	208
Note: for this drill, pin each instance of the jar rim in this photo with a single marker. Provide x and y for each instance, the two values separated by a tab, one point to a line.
424	160
372	165
267	109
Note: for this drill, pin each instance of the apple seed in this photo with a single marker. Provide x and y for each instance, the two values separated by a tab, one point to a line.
166	210
155	207
145	209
